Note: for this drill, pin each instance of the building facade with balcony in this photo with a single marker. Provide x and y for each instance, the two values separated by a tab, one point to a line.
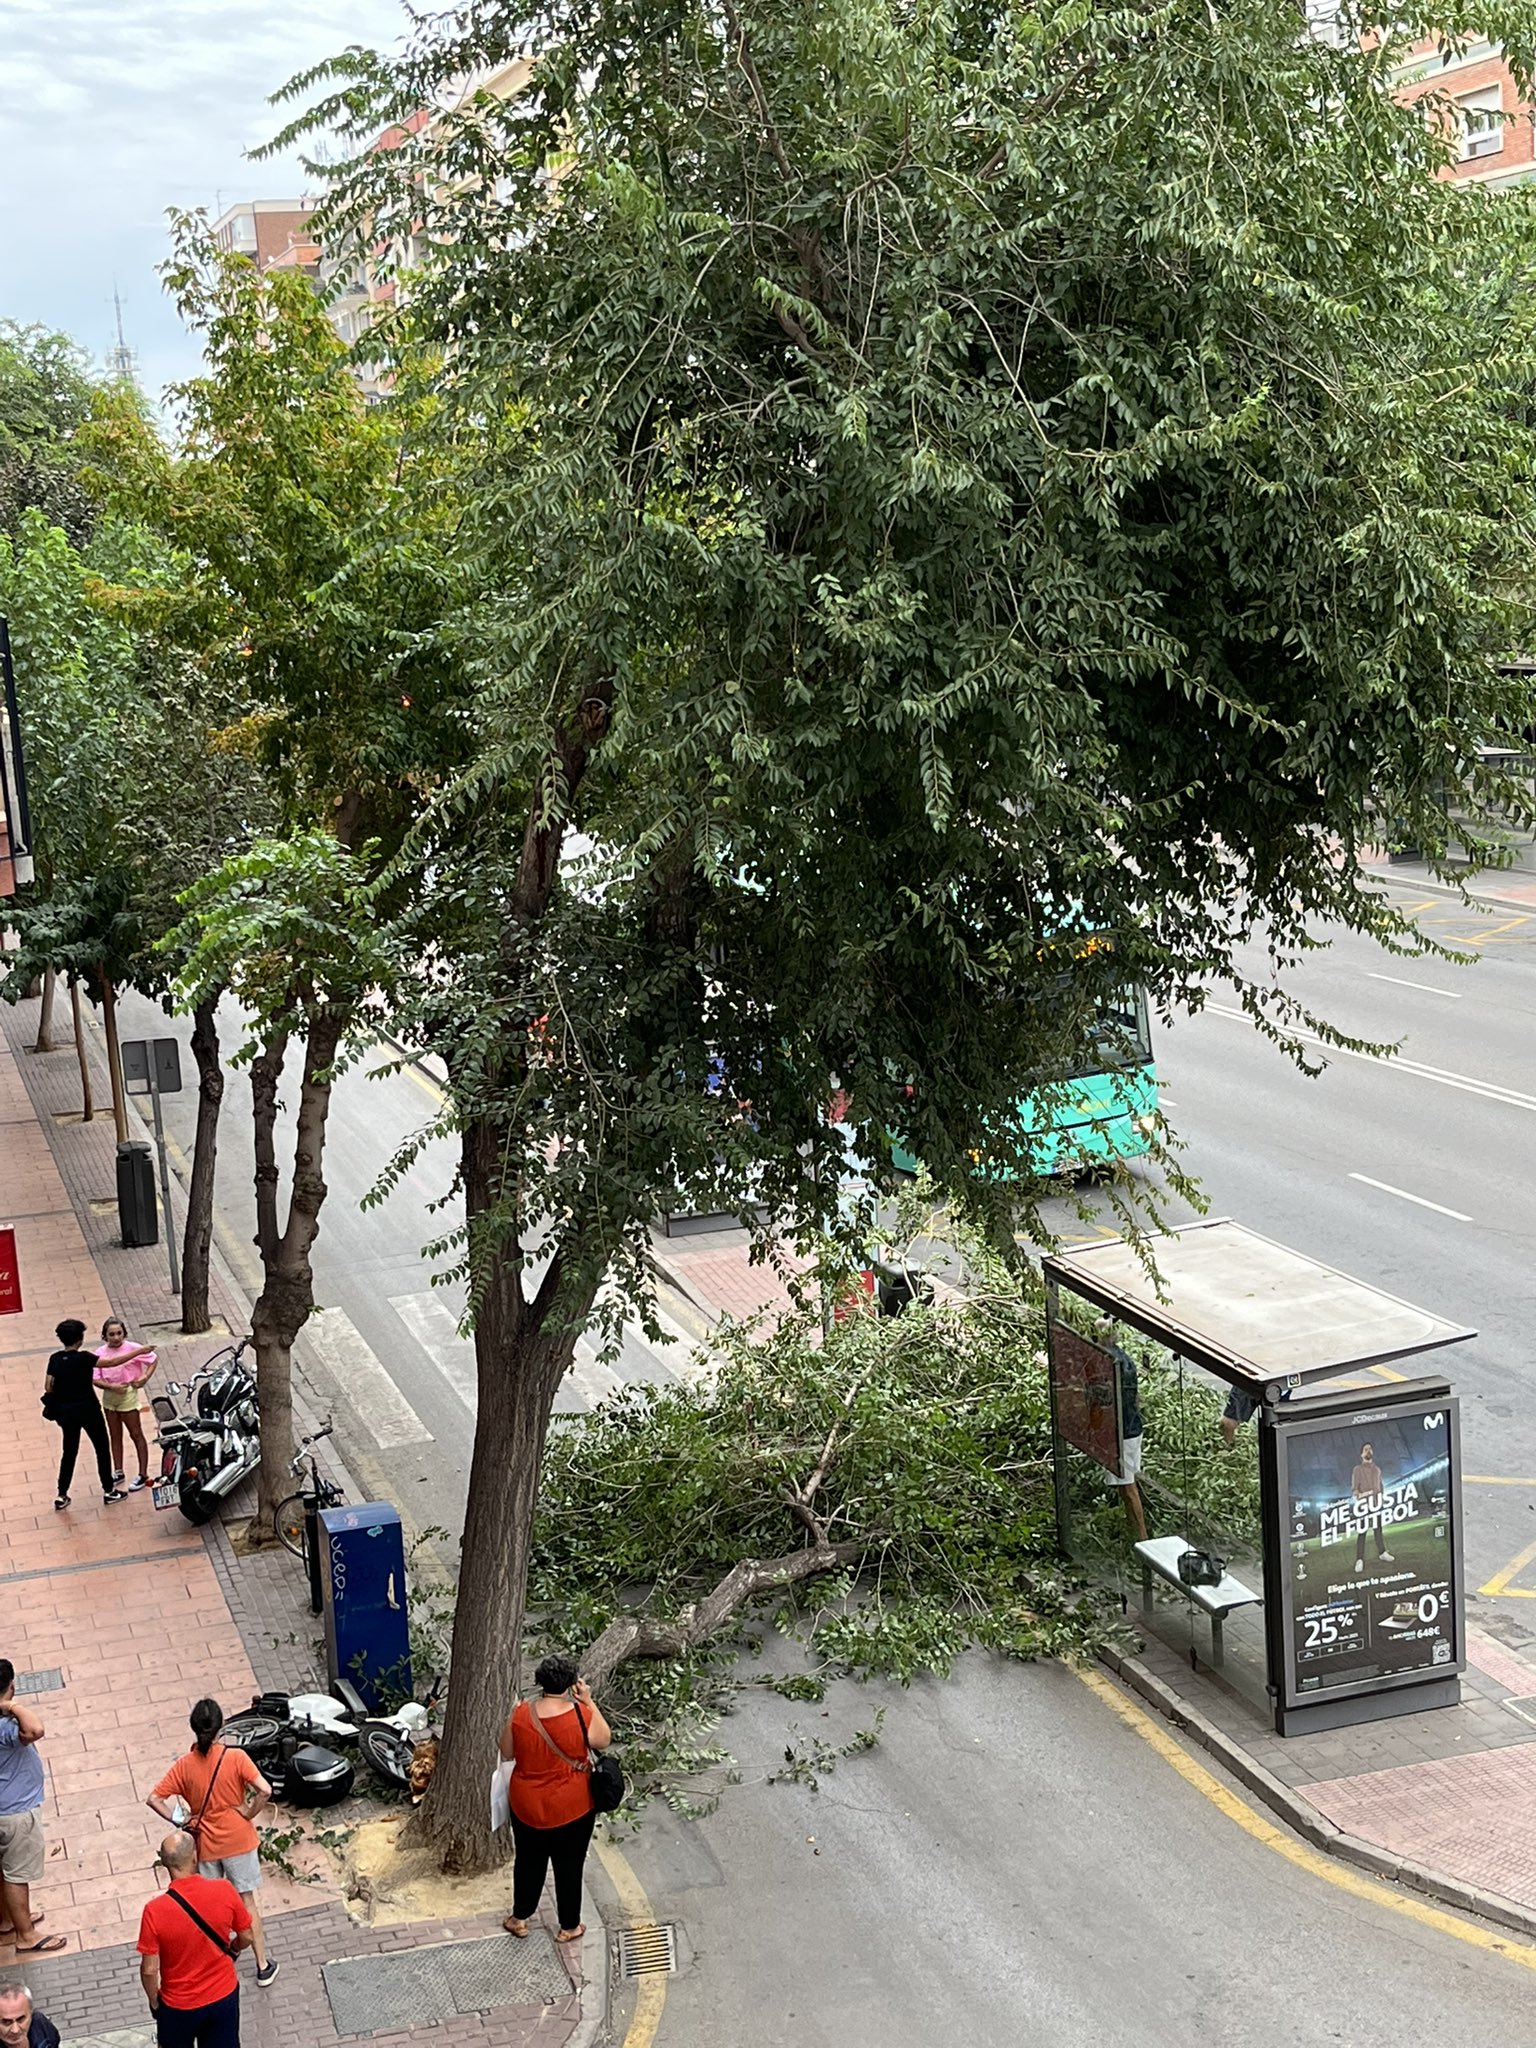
263	229
1490	122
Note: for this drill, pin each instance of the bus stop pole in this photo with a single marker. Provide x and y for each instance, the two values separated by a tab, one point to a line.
1060	1478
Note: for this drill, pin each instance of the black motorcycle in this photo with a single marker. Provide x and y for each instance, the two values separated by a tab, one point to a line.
205	1454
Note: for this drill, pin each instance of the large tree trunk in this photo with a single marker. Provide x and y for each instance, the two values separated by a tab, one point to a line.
87	1099
197	1243
518	1370
115	1064
45	1041
287	1297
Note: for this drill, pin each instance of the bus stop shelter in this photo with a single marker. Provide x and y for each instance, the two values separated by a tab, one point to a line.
1359	1486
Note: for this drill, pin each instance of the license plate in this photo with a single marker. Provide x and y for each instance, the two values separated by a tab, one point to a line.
167	1494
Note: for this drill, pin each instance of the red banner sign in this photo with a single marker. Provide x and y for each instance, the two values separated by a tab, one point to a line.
10	1273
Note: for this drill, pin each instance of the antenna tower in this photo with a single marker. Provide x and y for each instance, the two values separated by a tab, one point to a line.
121	360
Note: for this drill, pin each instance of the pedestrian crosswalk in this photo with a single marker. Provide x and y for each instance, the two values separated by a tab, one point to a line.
434	1325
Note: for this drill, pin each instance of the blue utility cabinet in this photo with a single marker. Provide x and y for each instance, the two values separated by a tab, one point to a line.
367	1623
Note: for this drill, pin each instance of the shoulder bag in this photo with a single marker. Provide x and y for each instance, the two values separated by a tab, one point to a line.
225	1948
605	1781
193	1827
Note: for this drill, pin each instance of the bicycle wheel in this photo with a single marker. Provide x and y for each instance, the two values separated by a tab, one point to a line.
290	1524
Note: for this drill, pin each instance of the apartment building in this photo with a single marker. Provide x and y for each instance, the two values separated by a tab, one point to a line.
1489	119
263	229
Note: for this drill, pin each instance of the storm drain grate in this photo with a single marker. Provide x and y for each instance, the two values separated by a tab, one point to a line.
421	1987
40	1681
648	1951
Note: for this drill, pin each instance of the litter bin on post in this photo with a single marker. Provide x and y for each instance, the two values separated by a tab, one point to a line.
136	1214
367	1625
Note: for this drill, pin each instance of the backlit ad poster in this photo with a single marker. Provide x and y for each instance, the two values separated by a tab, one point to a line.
1371	1547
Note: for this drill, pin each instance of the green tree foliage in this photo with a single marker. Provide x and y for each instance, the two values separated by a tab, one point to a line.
308	527
945	473
47	392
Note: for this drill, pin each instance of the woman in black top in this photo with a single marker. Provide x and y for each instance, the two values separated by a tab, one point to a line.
70	1394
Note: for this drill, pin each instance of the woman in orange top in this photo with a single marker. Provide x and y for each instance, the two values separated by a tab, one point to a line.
223	1792
547	1740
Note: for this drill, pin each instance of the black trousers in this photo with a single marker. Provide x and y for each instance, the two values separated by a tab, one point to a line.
537	1849
94	1424
199	2026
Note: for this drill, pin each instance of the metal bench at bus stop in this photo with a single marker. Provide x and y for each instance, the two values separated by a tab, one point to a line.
1161	1554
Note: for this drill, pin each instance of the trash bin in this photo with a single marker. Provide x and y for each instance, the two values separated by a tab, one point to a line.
136	1213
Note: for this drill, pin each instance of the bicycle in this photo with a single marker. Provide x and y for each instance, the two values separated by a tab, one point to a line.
298	1515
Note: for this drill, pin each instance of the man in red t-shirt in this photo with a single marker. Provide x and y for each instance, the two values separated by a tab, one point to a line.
188	1969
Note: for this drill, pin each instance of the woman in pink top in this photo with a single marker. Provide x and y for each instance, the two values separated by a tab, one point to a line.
121	1371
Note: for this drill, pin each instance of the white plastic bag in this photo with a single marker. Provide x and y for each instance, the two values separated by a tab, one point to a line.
501	1800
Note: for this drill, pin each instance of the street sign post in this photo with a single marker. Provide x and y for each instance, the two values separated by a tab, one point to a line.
152	1066
10	1273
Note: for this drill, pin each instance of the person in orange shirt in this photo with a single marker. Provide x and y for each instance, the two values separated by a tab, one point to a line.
547	1740
189	1936
222	1791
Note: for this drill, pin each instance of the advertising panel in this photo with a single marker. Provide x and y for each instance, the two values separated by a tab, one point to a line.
10	1273
1371	1551
1083	1381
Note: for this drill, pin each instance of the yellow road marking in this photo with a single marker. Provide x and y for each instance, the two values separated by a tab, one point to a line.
1410	909
1386	1372
1274	1837
650	1992
1487	1479
405	1065
1491	931
1499	1583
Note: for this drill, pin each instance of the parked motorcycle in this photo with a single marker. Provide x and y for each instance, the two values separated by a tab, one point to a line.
279	1734
205	1453
387	1743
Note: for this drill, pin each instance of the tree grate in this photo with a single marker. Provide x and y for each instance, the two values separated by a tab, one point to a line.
648	1951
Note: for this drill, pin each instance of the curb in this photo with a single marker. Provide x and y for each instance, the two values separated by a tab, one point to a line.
1304	1819
594	1990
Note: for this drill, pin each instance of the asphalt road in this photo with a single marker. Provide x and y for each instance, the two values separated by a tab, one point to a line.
1414	1173
1012	1864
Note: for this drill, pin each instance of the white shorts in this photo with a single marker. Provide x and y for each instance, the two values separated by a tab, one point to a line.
1130	1462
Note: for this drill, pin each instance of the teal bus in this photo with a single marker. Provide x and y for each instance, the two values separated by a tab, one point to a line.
1104	1112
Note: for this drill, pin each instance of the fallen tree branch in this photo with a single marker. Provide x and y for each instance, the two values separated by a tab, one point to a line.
642	1635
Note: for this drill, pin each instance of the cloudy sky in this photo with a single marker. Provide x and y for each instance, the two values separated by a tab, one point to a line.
113	110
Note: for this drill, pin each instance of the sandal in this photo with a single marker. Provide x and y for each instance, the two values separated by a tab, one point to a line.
49	1945
570	1933
517	1927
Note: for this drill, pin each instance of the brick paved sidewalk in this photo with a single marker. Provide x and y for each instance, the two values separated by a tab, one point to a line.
124	1615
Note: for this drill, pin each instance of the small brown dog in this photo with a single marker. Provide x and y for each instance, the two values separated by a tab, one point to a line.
423	1764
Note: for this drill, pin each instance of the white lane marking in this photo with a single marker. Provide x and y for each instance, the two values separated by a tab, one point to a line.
355	1366
1510	1097
1403	1195
1451	995
436	1329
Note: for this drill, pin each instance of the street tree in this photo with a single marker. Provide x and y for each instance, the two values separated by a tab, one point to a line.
286	928
976	504
306	524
